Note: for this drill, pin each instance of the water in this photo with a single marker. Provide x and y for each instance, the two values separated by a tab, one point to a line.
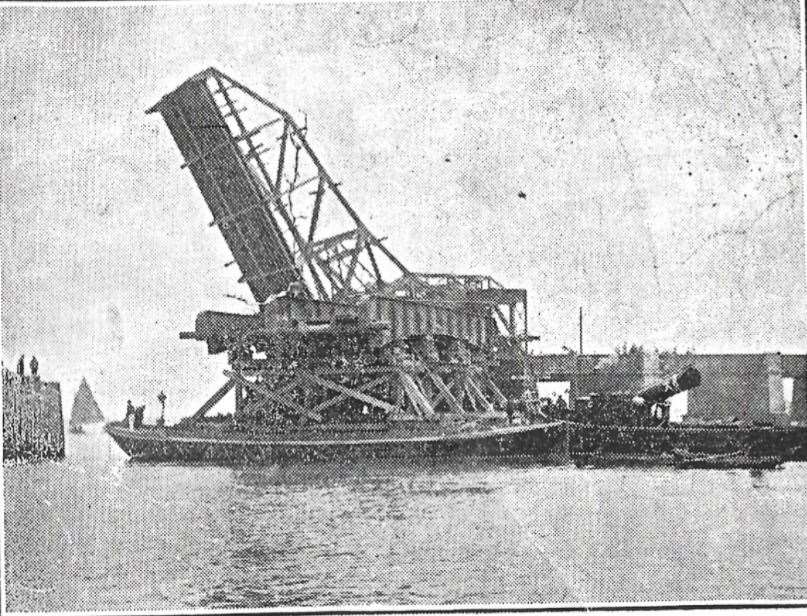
96	532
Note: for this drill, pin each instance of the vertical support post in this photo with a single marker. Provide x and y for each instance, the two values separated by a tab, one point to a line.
511	317
567	456
581	330
576	387
526	328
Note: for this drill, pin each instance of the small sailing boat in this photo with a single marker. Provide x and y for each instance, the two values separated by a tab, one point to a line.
85	409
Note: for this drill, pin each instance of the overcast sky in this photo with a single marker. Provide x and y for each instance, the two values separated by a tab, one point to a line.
659	145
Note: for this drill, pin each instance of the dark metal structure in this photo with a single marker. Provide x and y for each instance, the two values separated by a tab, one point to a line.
661	392
649	407
345	331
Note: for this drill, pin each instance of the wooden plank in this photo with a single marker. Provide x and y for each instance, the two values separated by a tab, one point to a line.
280	209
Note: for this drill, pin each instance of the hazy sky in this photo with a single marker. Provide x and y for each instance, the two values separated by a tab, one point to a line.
659	145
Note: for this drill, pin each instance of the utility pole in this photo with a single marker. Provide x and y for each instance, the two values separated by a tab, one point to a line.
581	330
577	386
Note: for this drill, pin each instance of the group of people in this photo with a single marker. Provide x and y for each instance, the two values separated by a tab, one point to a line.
527	409
134	414
34	367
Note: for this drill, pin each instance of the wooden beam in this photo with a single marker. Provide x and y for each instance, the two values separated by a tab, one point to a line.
296	186
445	392
315	212
379	281
497	394
214	399
256	130
327	242
281	159
264	389
352	267
415	395
346	252
258	401
340	397
349	392
474	389
457	388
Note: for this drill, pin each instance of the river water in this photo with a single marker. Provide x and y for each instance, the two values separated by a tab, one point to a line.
96	532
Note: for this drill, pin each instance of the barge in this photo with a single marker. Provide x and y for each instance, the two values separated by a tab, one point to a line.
414	442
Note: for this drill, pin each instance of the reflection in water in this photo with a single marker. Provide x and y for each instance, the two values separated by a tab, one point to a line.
161	536
357	472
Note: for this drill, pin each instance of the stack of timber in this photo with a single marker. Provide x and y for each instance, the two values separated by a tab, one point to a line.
32	419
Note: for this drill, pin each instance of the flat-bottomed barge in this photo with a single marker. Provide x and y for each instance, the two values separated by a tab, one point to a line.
232	446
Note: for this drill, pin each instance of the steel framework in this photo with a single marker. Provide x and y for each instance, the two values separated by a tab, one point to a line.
311	262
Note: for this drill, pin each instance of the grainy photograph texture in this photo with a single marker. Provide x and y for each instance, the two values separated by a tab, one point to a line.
403	304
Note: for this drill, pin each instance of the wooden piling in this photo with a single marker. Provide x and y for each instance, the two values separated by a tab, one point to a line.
33	427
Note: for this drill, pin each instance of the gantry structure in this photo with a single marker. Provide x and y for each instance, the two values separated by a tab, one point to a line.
345	331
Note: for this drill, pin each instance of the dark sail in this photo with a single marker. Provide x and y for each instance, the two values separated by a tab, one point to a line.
85	408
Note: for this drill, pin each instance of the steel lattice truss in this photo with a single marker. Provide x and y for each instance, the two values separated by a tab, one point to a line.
290	228
283	216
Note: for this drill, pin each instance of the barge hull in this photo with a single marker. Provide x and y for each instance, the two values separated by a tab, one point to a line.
538	441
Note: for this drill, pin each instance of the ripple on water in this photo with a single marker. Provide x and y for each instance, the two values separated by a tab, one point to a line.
137	536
